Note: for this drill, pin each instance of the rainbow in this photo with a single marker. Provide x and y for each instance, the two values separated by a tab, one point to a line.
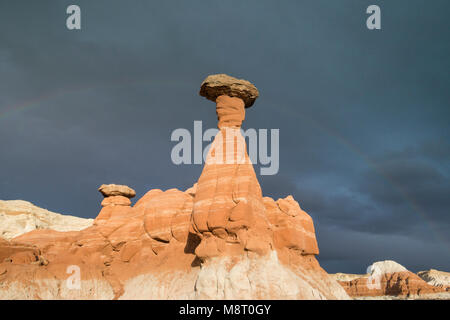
39	100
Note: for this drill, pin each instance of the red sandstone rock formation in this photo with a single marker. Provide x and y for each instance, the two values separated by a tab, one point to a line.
129	250
229	214
389	280
220	239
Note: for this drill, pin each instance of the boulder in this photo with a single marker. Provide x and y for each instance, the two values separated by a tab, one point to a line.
110	190
221	84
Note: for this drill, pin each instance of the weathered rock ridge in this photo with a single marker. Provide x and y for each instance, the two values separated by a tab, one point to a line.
390	280
18	217
147	251
436	278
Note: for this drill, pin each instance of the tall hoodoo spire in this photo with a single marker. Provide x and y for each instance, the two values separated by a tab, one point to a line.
229	213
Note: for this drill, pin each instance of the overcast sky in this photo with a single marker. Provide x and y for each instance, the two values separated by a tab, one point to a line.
363	115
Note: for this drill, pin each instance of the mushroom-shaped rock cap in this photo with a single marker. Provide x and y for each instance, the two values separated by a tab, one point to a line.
221	84
111	190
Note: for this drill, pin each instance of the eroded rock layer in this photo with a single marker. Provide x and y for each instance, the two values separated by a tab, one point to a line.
146	251
18	217
390	280
436	278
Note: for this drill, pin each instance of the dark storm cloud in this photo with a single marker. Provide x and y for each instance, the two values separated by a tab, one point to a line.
363	115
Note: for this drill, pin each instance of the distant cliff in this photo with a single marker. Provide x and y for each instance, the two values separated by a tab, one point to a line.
390	280
18	217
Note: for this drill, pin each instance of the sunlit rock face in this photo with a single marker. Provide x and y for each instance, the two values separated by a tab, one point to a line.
390	280
436	278
147	251
18	217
